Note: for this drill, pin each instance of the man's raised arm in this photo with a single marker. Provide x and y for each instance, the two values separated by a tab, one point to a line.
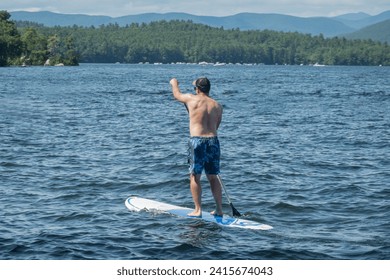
184	98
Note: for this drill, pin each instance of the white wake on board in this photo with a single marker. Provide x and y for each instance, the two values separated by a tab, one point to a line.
135	203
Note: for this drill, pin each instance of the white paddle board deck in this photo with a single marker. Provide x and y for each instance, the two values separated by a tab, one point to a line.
135	203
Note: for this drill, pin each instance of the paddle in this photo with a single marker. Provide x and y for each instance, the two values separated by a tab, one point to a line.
235	211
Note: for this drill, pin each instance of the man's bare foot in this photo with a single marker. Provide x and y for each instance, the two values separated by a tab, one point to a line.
195	214
217	214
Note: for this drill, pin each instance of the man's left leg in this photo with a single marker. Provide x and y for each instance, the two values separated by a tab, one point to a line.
196	191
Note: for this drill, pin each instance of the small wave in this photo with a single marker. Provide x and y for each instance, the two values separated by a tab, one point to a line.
289	254
284	206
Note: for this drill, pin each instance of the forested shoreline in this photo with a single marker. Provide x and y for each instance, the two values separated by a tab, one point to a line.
29	46
183	41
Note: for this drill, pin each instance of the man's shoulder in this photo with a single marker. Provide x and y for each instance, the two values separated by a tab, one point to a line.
196	99
217	104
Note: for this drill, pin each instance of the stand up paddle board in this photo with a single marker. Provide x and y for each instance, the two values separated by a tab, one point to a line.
135	203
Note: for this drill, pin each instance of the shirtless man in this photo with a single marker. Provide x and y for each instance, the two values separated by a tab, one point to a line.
204	151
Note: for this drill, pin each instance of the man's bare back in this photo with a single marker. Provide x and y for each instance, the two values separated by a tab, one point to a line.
205	113
205	116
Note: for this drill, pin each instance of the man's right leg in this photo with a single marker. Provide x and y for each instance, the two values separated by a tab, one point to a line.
216	190
196	191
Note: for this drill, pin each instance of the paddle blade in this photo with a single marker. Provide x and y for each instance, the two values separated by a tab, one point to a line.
235	211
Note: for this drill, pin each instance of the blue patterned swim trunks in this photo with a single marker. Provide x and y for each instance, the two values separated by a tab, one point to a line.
204	153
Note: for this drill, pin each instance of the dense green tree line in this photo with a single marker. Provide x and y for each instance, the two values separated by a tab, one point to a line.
32	47
184	41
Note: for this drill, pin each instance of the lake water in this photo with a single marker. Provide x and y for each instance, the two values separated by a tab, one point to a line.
304	149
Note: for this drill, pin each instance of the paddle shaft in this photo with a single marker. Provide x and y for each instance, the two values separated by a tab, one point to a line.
235	211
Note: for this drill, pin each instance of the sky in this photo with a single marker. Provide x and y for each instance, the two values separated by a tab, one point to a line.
116	8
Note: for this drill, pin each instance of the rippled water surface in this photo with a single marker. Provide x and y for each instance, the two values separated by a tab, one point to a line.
304	149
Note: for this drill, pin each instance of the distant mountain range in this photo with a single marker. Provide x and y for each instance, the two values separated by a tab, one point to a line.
355	23
379	32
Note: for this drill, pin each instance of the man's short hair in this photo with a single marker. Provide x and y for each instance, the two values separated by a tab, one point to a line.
203	84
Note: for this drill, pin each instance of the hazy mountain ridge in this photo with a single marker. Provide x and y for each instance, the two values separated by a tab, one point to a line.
361	20
328	26
379	32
